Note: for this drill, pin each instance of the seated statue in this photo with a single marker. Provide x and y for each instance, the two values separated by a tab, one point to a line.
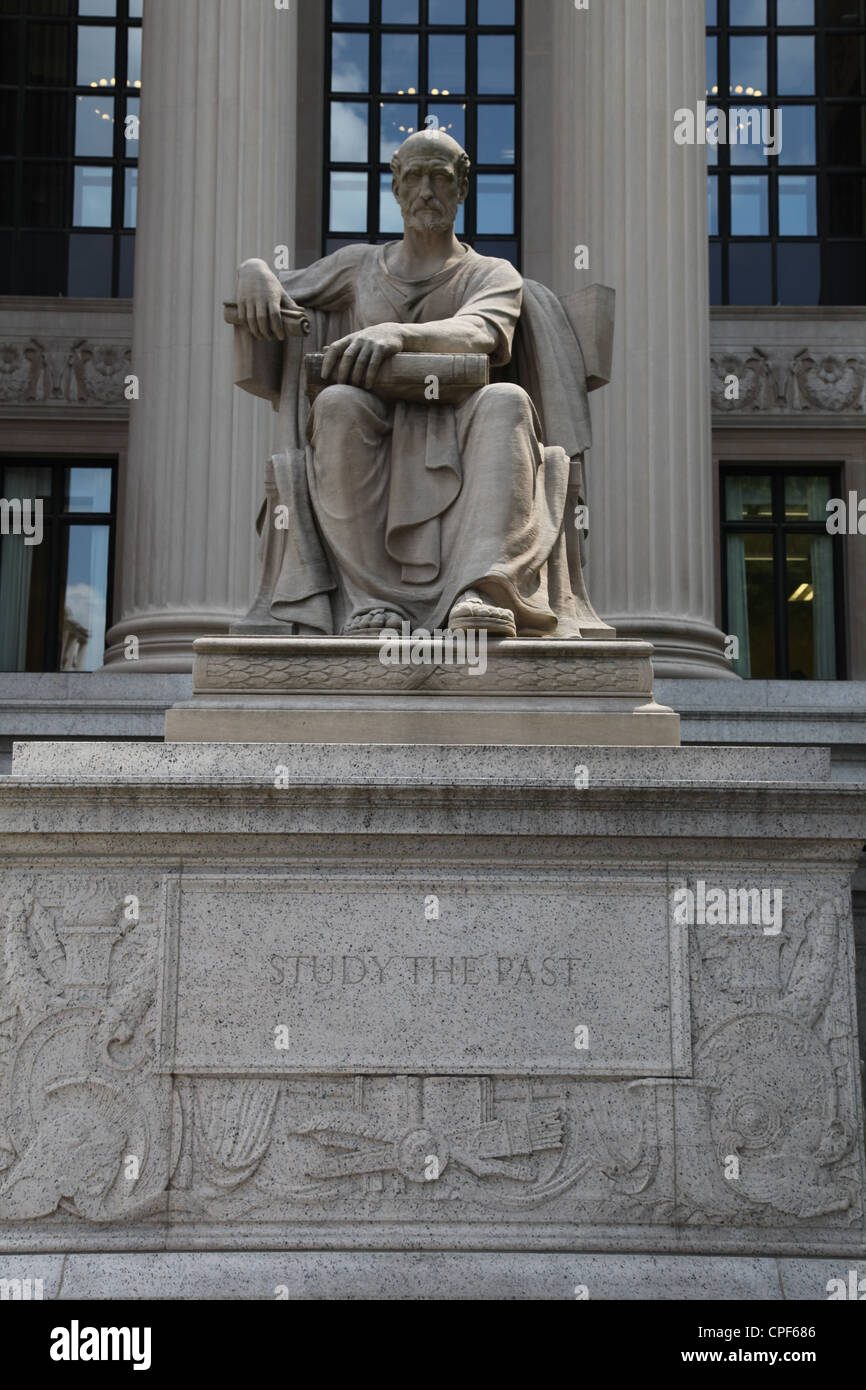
454	513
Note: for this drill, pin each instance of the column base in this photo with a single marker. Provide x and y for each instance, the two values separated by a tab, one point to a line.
164	639
684	648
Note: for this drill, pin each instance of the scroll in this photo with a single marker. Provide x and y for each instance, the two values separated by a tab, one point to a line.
295	319
425	377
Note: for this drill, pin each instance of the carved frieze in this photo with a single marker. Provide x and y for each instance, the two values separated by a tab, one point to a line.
93	372
63	372
788	383
760	1133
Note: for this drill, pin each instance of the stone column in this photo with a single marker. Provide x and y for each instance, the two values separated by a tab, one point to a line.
217	177
619	184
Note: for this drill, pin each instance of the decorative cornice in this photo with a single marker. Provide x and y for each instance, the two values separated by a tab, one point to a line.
787	313
62	304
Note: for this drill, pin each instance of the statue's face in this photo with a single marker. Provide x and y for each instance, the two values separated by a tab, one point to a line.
429	192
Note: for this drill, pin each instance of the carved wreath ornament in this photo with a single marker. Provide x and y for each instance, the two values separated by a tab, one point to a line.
755	380
86	1121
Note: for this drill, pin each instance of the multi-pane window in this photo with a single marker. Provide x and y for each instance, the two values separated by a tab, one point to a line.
56	556
788	218
398	66
782	573
70	79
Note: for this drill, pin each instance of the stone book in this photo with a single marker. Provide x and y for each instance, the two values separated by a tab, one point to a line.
446	377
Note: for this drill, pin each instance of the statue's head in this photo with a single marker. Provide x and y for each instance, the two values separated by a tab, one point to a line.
431	180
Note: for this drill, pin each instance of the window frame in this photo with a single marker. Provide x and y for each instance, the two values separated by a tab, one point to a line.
55	518
471	99
822	171
780	527
119	161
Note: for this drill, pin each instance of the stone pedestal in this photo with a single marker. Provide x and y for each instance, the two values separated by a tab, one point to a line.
340	1010
459	689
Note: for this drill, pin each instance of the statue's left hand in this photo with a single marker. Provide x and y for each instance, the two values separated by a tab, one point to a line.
361	354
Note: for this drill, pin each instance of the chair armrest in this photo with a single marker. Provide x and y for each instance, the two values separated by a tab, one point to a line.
258	366
591	313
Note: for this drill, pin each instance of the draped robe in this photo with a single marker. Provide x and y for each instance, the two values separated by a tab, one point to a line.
406	505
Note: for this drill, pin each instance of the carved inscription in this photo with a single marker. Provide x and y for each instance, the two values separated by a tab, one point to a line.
418	971
276	976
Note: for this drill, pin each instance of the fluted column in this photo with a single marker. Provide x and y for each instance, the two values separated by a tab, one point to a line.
620	185
216	181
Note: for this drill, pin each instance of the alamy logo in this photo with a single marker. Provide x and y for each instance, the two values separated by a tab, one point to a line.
846	517
437	648
22	518
728	907
854	1289
760	126
76	1343
21	1290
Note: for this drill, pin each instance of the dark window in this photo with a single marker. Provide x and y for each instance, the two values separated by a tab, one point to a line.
395	64
70	77
782	572
788	227
57	525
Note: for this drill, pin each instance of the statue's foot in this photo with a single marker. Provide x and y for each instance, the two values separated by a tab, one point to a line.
472	611
369	622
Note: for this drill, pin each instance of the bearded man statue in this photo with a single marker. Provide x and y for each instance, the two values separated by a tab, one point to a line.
420	511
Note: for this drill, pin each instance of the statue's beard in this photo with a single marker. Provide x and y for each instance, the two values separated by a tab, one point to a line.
428	219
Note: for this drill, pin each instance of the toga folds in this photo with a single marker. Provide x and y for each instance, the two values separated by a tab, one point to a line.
409	504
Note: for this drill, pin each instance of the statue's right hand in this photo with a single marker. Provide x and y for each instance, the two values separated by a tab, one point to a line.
260	297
